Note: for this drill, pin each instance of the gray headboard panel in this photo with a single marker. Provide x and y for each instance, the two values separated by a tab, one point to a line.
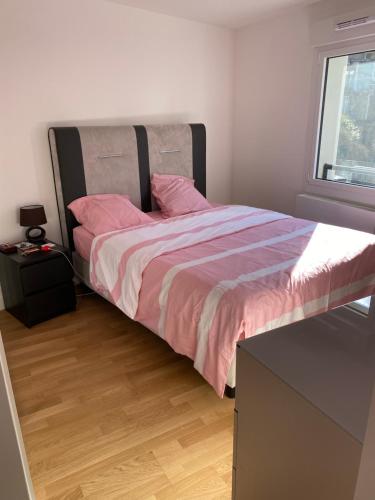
121	159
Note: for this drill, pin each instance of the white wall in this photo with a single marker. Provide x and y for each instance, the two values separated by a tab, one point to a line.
98	62
274	63
15	480
273	67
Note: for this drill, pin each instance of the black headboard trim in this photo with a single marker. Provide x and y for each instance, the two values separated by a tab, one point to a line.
198	131
144	167
72	173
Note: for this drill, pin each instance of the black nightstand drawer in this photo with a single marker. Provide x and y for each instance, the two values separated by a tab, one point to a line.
37	287
49	303
45	274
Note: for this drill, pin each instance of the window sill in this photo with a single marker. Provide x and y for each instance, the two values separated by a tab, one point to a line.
359	195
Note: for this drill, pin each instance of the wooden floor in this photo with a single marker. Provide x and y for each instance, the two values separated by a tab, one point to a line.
109	411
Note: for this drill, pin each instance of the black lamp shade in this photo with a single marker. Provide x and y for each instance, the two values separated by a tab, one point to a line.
32	215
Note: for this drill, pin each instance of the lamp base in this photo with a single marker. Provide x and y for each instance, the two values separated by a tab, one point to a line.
36	234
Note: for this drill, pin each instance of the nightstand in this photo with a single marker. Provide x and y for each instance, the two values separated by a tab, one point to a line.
37	287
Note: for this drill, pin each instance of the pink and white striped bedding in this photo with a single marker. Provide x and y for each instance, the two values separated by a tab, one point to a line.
205	280
83	238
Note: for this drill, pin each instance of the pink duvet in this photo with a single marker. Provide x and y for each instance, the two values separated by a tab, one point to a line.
205	280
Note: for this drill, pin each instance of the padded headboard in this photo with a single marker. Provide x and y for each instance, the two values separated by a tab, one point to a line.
120	160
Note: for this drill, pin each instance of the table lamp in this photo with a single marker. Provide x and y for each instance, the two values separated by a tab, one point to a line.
32	216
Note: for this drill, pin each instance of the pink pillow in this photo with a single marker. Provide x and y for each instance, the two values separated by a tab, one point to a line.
176	195
103	213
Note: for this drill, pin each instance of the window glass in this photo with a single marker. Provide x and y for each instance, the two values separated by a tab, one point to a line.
346	151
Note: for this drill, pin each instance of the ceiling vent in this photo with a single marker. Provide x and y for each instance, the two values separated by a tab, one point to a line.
354	23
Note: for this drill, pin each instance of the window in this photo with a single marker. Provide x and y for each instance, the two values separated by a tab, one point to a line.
346	142
362	305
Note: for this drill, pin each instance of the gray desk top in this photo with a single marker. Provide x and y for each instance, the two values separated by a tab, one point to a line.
329	360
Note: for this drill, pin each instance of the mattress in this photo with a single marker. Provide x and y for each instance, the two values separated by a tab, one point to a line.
82	241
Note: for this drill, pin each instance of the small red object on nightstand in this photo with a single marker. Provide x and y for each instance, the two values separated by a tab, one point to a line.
8	248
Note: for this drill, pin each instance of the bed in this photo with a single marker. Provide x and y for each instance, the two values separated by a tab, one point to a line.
205	280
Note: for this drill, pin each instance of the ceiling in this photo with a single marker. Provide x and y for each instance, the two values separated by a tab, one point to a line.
228	13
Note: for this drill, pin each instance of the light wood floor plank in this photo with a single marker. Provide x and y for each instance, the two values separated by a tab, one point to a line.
109	411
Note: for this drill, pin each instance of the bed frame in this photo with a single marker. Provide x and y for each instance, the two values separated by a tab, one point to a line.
121	160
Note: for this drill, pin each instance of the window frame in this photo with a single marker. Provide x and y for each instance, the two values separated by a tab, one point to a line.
349	192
